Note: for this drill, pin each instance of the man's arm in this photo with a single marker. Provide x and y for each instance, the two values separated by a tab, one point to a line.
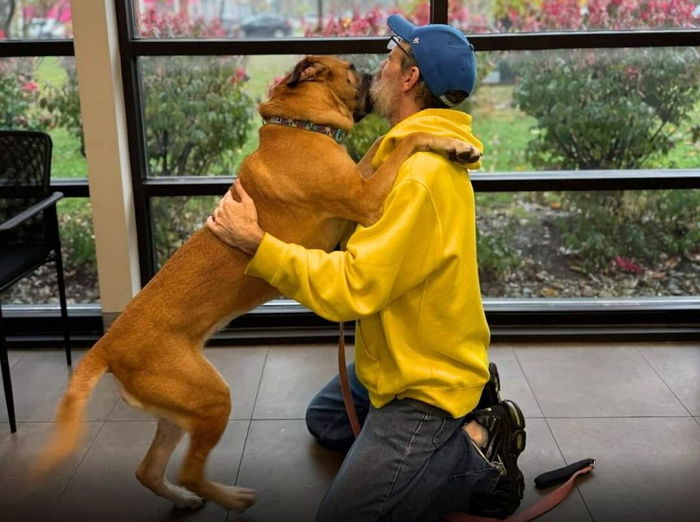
380	263
236	222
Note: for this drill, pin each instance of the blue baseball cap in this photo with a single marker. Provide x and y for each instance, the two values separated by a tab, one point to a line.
444	56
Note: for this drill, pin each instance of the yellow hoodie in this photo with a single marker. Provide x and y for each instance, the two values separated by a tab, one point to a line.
410	279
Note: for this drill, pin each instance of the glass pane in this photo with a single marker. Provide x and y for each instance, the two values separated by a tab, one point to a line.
583	109
175	219
79	262
488	16
35	19
215	99
270	18
41	93
589	244
548	244
588	109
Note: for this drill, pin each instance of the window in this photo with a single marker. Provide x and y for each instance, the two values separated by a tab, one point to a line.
39	91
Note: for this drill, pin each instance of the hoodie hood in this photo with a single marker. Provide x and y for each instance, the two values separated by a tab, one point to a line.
446	123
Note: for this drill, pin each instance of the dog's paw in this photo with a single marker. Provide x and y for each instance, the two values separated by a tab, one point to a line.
185	499
463	153
237	499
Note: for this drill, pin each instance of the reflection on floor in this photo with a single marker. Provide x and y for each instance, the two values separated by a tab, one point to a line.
633	407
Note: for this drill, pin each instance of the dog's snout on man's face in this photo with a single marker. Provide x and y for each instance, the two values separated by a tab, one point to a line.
364	99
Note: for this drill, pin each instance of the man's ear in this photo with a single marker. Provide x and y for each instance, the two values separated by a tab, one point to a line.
411	78
306	70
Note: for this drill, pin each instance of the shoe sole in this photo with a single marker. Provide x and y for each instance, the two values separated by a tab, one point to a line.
518	437
491	394
493	371
517	441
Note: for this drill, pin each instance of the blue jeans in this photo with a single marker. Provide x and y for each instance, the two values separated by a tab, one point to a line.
411	462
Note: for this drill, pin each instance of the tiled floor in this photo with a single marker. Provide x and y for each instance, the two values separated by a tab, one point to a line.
633	407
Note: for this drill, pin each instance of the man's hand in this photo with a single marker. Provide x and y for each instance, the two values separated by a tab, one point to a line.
236	223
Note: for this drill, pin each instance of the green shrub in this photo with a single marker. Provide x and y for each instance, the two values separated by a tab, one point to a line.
77	235
62	103
644	225
364	134
196	115
175	219
611	109
19	94
497	255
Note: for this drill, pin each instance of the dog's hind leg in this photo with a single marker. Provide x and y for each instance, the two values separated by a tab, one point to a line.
205	430
151	471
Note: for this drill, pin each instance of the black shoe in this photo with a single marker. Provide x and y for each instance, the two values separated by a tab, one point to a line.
491	394
506	426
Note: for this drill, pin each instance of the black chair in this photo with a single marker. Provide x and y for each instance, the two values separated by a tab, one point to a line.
28	227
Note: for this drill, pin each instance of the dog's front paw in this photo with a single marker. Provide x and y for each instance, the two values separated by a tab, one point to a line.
464	153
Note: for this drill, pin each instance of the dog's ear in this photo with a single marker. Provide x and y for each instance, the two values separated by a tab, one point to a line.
306	70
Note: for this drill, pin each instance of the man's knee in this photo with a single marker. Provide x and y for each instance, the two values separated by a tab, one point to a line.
330	429
316	420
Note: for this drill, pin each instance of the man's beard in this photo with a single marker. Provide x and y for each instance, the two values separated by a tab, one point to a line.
384	97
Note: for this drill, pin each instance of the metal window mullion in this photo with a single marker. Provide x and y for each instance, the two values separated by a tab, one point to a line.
585	40
32	48
439	11
483	182
377	45
286	46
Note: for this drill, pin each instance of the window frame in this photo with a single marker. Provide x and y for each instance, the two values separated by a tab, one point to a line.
508	313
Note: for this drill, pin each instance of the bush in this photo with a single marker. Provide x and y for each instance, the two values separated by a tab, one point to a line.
644	226
197	117
609	109
77	236
19	95
62	103
175	219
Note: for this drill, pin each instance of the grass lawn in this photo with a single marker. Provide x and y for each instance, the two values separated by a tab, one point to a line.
502	129
67	160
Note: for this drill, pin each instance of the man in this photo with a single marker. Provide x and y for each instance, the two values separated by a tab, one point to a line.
411	282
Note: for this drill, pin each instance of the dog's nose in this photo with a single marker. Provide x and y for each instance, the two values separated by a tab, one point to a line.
366	81
364	100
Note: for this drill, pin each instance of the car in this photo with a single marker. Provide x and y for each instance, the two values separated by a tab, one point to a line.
38	28
265	25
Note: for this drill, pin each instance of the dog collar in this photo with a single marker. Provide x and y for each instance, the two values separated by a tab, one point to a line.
337	134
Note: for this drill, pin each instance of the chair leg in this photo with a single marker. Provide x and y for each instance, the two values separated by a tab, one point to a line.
64	306
6	379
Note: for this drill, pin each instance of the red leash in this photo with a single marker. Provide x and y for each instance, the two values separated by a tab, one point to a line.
531	512
345	385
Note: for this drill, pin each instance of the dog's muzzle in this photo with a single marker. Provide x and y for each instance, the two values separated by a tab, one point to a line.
364	98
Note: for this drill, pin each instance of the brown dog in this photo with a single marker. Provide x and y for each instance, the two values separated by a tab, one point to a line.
306	188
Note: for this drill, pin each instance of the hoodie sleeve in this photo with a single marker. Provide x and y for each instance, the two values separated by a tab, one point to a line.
380	262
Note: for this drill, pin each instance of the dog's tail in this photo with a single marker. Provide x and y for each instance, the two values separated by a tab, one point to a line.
69	427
